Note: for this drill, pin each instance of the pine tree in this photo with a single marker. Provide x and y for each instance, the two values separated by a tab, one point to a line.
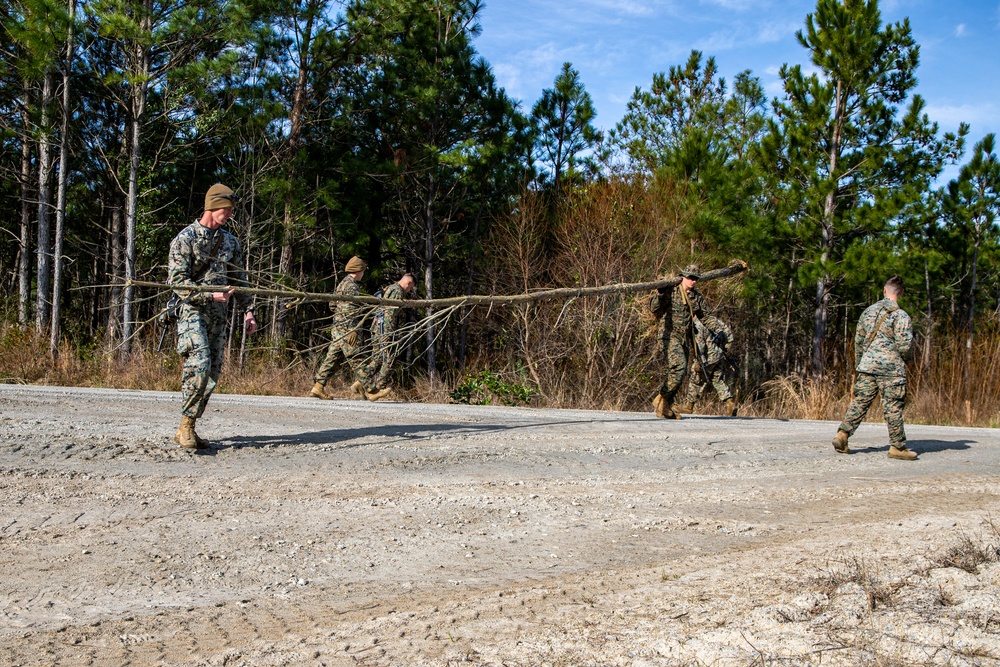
848	159
562	121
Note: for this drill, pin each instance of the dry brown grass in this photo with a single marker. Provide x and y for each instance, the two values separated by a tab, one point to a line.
575	354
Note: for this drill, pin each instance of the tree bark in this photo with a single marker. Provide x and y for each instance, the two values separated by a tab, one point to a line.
138	110
429	277
296	119
24	261
57	260
44	230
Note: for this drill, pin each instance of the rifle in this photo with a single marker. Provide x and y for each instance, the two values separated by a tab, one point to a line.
163	333
721	344
702	361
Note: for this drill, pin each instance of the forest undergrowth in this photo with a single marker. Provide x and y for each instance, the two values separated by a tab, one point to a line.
949	387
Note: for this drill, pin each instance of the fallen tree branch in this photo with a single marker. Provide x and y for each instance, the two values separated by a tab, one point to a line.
733	269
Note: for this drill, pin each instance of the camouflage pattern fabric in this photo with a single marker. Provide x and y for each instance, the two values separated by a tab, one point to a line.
347	317
881	366
677	334
714	366
201	322
386	331
892	345
893	390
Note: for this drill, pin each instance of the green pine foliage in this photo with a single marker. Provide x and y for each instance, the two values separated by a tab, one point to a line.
374	128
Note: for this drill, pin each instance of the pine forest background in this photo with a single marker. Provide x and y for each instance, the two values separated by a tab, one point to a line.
373	127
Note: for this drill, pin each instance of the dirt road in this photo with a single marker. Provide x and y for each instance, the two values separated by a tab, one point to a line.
352	533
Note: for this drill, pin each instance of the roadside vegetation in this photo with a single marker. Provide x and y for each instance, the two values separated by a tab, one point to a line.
373	127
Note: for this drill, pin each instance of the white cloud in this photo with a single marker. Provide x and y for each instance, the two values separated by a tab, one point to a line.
960	30
949	116
734	5
628	7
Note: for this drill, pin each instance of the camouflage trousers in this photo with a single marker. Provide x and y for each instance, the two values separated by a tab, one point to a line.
699	383
201	343
386	351
677	352
893	391
355	355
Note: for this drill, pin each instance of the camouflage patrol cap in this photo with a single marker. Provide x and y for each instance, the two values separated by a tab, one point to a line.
219	196
355	264
691	271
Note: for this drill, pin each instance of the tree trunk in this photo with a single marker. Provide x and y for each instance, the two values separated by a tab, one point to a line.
470	280
928	337
296	119
24	260
429	278
138	95
820	316
57	261
44	239
971	322
115	277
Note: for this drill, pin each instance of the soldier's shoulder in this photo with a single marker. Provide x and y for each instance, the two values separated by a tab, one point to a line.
348	286
188	233
229	237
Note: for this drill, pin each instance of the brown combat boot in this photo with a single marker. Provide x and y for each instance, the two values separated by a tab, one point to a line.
359	389
687	407
185	436
319	391
663	409
731	407
381	393
902	453
840	442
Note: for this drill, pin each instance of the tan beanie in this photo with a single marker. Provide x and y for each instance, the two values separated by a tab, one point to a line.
218	196
355	264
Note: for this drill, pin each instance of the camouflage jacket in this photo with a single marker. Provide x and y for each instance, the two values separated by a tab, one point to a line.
191	263
347	315
387	317
707	348
890	347
677	322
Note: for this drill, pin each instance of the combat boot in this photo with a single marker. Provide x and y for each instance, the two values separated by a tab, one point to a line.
902	453
381	393
664	409
185	436
319	391
731	407
840	442
687	407
359	389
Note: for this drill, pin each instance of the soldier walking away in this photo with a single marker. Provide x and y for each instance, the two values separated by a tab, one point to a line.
204	253
709	368
386	334
345	336
677	335
882	345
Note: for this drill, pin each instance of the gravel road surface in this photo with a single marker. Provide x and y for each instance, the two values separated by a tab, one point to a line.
355	533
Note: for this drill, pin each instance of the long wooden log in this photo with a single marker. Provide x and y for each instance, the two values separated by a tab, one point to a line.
737	267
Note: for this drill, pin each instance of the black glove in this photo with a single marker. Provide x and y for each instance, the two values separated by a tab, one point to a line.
720	339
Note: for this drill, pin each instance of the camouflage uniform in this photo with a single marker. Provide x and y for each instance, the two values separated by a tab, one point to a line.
201	322
881	367
677	334
347	317
714	366
386	330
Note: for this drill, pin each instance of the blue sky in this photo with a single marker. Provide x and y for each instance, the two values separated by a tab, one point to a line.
617	45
